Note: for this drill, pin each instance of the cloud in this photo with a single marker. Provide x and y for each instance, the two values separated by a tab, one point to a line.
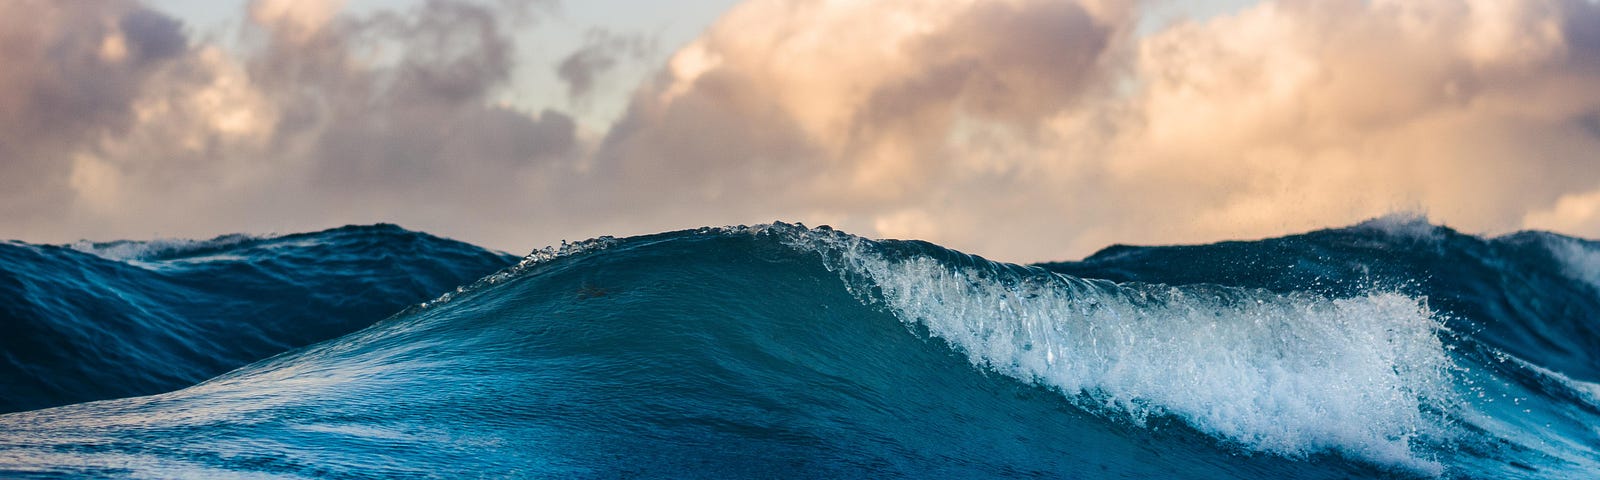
72	71
298	20
127	128
1304	113
855	111
1034	129
1576	213
602	50
1020	129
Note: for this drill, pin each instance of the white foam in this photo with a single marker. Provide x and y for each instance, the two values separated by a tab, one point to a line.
1579	261
1291	375
1412	225
535	258
135	250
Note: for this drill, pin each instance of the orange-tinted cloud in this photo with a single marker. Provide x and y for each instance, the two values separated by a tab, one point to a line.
1044	129
1020	129
894	118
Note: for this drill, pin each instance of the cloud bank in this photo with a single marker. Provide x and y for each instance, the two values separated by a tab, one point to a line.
116	124
1047	129
1019	129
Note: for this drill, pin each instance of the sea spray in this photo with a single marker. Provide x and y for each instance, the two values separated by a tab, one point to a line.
1289	374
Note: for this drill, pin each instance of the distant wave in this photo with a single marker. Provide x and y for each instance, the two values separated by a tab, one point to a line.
1389	349
170	248
92	321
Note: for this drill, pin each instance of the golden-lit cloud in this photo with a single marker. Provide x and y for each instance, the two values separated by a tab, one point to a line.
1308	113
1575	213
889	118
1020	129
298	21
1042	129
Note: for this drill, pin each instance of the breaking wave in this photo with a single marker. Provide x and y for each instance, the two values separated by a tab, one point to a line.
781	350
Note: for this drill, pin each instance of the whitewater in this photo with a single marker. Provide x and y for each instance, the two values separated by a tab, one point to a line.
1389	349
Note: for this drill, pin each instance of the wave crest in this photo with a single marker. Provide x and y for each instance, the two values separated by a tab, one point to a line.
1294	375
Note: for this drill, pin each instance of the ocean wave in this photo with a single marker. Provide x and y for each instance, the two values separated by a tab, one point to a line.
1292	375
781	350
116	319
140	250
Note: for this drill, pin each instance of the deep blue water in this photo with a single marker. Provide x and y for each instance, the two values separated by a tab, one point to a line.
1391	349
119	319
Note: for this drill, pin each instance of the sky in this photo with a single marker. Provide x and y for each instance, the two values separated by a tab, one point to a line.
1021	130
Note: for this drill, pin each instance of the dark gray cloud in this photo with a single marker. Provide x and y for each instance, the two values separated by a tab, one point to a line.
601	52
152	36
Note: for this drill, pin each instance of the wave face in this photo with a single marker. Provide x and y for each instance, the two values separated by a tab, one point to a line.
92	321
781	351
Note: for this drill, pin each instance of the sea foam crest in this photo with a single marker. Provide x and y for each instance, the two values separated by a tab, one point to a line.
136	250
1580	260
1413	225
533	259
1292	375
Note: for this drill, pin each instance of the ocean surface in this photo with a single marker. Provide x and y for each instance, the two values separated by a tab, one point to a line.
1389	349
92	321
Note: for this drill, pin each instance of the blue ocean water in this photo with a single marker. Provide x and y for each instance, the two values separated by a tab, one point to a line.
1390	349
95	321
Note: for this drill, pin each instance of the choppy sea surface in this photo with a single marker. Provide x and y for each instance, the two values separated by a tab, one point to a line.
1389	349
